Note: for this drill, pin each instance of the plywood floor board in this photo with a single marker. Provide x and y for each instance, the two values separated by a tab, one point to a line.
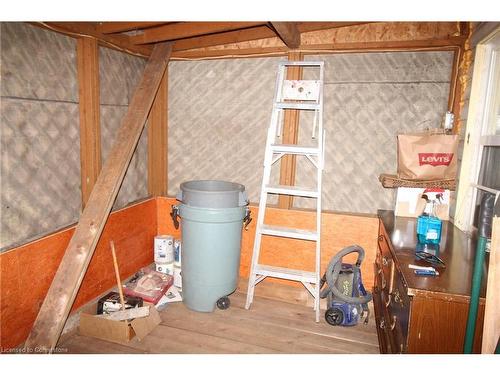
269	326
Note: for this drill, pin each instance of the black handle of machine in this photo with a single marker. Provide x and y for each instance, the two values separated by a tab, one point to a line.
174	215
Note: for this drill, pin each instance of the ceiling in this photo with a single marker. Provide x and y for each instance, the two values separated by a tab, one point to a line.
139	37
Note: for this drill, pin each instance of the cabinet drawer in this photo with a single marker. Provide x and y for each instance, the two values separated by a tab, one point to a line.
383	244
385	265
398	308
384	339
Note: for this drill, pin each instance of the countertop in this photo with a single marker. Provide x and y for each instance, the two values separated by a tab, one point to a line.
456	249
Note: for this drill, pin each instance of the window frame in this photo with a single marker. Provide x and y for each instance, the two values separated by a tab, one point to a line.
479	130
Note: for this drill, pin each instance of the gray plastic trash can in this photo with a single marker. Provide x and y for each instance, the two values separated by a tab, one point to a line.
212	214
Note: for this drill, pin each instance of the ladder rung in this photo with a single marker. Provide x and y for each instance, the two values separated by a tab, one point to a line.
294	149
291	190
293	105
301	234
286	273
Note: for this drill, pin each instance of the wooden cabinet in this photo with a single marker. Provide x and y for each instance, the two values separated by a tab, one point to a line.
416	314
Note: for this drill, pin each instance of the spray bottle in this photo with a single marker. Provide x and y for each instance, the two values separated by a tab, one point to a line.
428	224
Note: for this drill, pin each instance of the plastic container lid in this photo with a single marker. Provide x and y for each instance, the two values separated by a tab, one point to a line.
212	194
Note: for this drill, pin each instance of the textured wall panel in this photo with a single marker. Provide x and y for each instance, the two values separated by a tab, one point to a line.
40	168
119	74
219	113
40	145
37	63
369	99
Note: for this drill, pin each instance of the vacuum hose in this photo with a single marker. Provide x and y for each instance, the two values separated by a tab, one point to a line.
333	271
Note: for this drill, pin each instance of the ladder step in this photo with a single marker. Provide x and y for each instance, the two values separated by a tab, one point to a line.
286	273
293	105
300	234
294	149
291	190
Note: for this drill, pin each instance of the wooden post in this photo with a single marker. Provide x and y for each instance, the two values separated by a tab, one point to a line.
68	278
461	76
90	129
158	142
290	136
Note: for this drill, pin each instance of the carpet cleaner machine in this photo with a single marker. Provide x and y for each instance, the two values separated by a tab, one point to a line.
341	285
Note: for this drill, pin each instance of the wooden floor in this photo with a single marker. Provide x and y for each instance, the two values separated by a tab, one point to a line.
269	326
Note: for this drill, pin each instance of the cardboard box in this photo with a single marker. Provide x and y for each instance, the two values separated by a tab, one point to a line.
409	203
116	331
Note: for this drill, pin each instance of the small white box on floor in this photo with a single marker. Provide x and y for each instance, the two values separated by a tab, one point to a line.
166	268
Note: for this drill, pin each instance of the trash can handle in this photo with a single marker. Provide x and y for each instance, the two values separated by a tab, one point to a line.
247	219
174	214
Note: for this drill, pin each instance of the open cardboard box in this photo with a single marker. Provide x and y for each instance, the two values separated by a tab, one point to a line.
117	331
409	203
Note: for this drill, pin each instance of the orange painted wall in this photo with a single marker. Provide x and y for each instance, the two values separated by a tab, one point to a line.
338	231
27	271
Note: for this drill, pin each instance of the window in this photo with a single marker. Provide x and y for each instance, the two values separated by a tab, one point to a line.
480	172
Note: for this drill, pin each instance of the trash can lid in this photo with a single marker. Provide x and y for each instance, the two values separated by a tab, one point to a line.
212	194
211	186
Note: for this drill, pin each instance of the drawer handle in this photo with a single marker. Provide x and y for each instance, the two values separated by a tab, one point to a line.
385	262
397	298
388	302
382	323
380	238
393	324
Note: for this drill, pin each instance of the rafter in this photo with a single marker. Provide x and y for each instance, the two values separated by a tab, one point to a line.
188	29
288	32
254	33
119	27
119	42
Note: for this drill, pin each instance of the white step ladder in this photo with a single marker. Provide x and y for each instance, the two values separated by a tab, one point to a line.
299	95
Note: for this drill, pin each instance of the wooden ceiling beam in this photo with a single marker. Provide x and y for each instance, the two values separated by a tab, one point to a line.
188	29
119	27
313	26
288	32
253	33
82	29
236	36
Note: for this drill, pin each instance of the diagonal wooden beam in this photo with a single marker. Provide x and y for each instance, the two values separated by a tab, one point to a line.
288	32
236	36
119	27
188	29
313	26
253	33
68	278
78	29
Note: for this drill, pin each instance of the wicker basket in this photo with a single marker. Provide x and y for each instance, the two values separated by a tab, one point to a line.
392	181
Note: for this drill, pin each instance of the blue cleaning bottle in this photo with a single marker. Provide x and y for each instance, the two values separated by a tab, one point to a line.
428	224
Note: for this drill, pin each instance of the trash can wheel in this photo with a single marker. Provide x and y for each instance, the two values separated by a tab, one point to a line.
334	316
223	303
